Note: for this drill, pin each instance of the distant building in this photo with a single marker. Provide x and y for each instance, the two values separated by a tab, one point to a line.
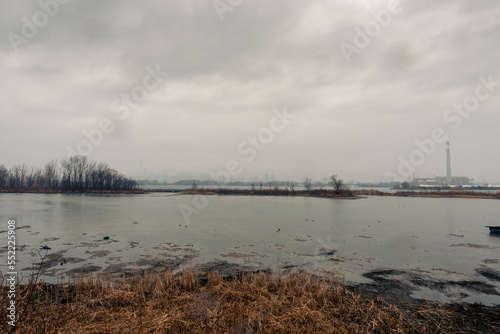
447	180
441	181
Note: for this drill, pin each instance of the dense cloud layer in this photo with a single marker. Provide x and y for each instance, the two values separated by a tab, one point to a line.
360	102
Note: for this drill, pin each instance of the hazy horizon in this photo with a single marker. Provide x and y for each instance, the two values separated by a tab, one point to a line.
367	90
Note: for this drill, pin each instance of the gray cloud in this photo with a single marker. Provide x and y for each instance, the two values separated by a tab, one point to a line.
225	77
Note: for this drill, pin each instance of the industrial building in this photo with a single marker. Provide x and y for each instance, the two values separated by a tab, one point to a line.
442	181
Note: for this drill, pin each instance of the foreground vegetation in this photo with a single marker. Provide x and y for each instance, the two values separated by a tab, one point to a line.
248	303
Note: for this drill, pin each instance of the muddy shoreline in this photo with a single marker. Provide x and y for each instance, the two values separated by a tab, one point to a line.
68	261
395	286
201	295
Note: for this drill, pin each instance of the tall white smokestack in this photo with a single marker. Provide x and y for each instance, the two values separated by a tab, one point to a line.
448	164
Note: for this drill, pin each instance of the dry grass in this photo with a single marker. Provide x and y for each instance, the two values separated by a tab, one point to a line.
250	303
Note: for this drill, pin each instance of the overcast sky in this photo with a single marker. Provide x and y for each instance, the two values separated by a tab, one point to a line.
360	92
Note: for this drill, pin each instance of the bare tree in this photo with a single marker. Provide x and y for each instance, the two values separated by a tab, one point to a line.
23	172
336	183
91	176
33	177
109	178
4	175
51	174
308	183
100	175
80	165
30	177
12	180
67	167
17	176
74	169
39	178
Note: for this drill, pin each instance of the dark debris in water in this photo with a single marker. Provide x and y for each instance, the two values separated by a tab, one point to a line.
17	228
326	252
474	246
489	273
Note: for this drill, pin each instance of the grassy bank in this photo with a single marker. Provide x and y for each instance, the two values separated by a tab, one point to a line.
250	303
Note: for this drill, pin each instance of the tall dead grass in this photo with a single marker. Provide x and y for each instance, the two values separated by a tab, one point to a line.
248	303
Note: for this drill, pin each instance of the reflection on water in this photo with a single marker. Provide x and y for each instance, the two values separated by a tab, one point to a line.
342	237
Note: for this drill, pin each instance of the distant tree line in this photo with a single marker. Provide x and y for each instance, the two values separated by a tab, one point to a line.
75	173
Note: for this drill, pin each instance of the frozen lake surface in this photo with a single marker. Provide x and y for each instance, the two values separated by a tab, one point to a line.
434	245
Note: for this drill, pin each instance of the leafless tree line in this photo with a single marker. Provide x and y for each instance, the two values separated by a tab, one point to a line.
75	173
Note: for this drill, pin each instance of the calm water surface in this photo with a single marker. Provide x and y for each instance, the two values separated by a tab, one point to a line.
441	237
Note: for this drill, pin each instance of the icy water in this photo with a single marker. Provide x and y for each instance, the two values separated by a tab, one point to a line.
435	239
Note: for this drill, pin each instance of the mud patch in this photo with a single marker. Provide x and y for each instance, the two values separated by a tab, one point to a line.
156	262
18	228
97	243
19	248
116	268
243	255
326	251
225	270
488	273
57	259
399	285
85	270
384	286
96	254
50	239
469	245
113	258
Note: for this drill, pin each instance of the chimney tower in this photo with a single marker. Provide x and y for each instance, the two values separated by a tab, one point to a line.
448	164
